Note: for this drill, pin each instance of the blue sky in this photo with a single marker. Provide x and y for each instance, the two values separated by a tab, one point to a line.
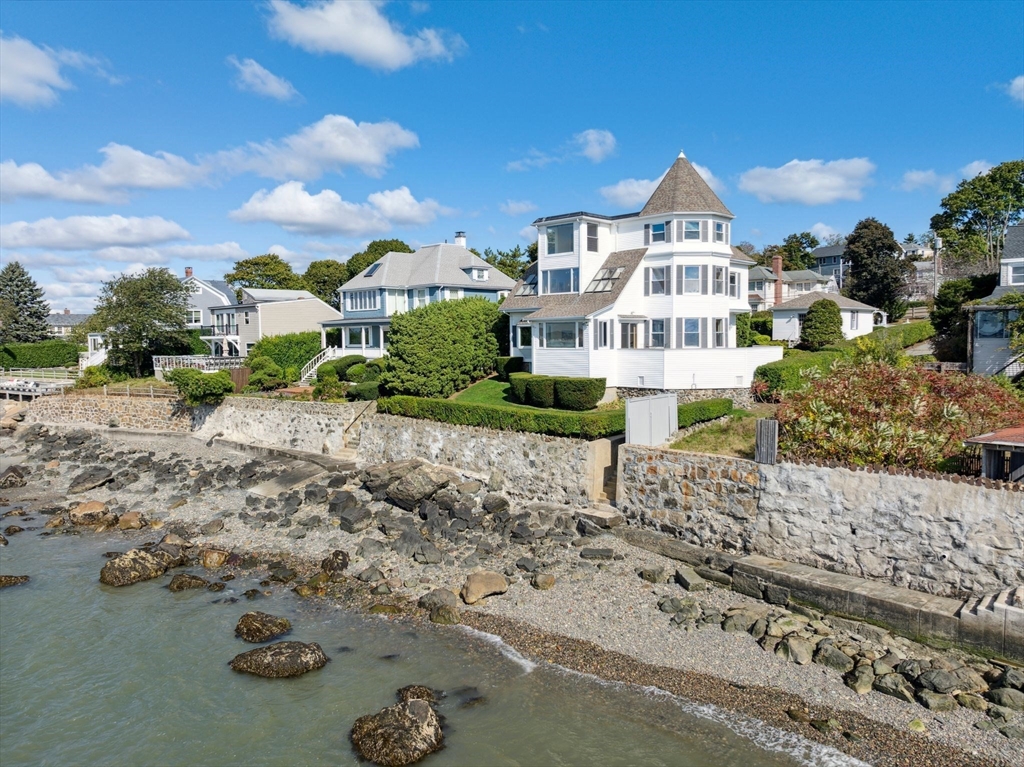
179	134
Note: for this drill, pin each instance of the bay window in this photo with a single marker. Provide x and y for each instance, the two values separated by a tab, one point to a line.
691	230
560	239
720	280
691	279
656	278
719	232
525	333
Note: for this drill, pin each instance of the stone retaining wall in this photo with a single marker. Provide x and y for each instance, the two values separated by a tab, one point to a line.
739	397
533	466
126	412
312	427
932	535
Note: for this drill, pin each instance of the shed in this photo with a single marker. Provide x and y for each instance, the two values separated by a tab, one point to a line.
1002	453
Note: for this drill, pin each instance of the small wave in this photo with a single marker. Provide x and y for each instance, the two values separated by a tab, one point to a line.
505	649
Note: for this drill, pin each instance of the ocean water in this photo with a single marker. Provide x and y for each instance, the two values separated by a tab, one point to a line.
138	676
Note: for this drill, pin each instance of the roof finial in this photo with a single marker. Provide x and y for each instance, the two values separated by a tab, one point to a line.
682	155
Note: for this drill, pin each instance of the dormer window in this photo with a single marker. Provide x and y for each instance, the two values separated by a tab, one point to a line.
480	275
560	239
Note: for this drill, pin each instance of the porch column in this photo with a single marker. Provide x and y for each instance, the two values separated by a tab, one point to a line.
323	337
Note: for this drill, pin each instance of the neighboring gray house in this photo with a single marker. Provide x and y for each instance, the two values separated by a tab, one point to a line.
829	260
261	313
61	324
988	350
399	282
206	294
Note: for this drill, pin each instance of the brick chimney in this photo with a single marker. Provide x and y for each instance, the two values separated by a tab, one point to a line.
188	271
777	268
67	311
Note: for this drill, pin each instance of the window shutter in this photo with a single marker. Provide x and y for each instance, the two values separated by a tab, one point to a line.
515	336
703	332
727	234
647	234
680	231
647	281
647	334
725	287
595	330
611	334
679	332
704	277
680	279
668	332
703	231
668	231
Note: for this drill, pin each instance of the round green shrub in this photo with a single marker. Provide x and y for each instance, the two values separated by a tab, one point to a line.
364	391
292	374
517	386
266	375
355	373
579	393
540	391
326	372
342	365
372	373
823	325
93	377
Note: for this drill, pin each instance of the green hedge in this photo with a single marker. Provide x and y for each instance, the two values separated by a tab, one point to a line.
761	322
784	375
909	334
43	354
517	386
540	391
289	350
342	365
198	388
327	372
506	366
704	410
356	372
364	391
579	393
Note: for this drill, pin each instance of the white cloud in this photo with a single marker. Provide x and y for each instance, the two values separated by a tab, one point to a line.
76	296
90	232
330	144
96	273
30	75
810	182
33	180
716	184
927	179
976	168
595	145
517	207
256	79
631	192
358	29
823	231
534	159
1015	89
528	233
399	207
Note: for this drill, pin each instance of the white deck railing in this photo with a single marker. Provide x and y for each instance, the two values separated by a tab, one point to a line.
198	362
40	374
309	369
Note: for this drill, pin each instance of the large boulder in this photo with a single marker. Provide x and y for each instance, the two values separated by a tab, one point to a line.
133	520
483	584
894	685
417	485
186	581
89	513
379	478
398	735
211	559
134	566
437	598
92	477
12	580
12	477
257	627
1008	698
279	660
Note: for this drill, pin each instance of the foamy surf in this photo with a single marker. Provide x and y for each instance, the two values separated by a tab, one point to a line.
504	648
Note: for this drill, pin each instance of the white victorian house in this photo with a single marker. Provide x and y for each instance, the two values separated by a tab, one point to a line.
646	300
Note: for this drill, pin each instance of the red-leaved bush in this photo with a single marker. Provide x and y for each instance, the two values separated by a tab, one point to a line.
875	413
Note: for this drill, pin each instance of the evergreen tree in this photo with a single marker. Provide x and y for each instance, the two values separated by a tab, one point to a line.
25	320
822	326
879	273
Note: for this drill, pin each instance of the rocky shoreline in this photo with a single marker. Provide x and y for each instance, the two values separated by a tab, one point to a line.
549	582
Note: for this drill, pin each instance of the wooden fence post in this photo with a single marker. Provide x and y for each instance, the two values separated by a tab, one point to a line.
766	441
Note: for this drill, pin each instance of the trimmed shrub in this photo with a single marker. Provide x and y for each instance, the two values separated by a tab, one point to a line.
744	335
292	374
44	354
289	350
356	372
327	384
364	391
266	374
506	366
342	365
761	322
199	388
704	410
579	393
372	373
823	325
94	377
540	391
517	386
785	375
326	372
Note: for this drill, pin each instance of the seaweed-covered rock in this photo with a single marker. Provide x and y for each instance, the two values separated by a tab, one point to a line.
134	566
12	477
12	580
417	692
255	626
335	564
185	581
398	735
282	659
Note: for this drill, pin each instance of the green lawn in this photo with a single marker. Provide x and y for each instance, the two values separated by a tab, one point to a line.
734	437
491	391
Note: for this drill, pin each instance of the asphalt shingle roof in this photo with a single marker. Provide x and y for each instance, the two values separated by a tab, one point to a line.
682	190
66	320
442	264
805	301
826	251
799	275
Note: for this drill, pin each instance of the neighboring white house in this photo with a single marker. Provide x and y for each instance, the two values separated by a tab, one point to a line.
988	350
262	313
646	300
768	287
788	318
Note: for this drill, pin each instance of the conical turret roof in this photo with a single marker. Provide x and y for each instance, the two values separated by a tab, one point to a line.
683	191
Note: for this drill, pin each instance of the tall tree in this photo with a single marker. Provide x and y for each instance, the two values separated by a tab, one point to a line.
511	262
748	248
948	316
796	251
323	278
910	239
26	310
878	272
141	315
986	205
374	252
268	271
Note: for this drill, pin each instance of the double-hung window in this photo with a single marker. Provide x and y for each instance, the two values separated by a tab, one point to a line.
734	284
561	281
592	238
719	232
854	320
1017	274
691	230
720	280
560	239
421	297
657	339
602	335
758	286
720	333
362	300
691	279
658	232
480	275
195	316
691	332
525	333
628	335
658	280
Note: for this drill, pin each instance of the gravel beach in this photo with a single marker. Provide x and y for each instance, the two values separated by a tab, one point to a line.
599	618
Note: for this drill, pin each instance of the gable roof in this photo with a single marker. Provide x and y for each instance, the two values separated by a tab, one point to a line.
219	285
739	255
265	295
798	275
61	320
805	301
576	304
682	190
441	264
826	251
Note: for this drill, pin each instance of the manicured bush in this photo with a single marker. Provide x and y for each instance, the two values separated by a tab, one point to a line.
289	350
199	388
761	322
505	366
364	391
343	364
704	410
540	391
441	348
822	326
517	386
326	372
292	374
356	372
578	393
266	374
907	334
791	372
744	335
43	354
327	384
372	373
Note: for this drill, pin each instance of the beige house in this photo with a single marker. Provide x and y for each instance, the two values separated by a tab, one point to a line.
262	313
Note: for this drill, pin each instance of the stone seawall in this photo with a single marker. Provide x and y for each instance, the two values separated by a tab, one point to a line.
739	397
533	466
931	535
125	412
326	428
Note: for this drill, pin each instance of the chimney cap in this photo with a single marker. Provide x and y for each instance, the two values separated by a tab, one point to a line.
67	311
188	271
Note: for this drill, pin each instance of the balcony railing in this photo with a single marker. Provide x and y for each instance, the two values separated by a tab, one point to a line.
197	362
219	330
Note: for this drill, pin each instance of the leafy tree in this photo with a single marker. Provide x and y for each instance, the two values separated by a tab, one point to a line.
23	305
323	278
142	315
796	251
963	254
834	239
986	205
748	248
948	316
823	325
511	262
441	348
879	274
373	253
268	271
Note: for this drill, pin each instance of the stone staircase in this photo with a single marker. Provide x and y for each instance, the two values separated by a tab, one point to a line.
998	618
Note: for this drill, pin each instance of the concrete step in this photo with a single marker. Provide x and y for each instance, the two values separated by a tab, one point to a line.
606	518
289	480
